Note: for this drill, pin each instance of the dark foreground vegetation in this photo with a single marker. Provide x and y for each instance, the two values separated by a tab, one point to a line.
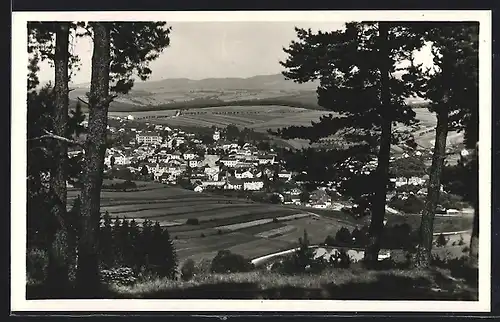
129	272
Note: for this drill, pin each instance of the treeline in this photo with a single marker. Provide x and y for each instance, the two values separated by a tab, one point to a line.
399	236
126	249
212	102
145	247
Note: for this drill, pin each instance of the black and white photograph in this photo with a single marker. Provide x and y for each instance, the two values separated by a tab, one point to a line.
264	161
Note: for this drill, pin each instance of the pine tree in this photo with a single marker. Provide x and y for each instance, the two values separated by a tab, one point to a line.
106	242
156	248
146	243
49	41
134	235
169	256
356	68
124	240
452	89
117	245
121	49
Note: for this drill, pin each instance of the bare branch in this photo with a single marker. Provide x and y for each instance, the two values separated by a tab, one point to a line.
111	98
50	135
87	103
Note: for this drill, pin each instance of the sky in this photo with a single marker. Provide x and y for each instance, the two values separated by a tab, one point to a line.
213	49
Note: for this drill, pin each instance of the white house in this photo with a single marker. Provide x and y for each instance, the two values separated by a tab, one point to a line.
175	156
244	175
216	136
212	172
229	162
285	175
266	159
234	184
189	155
253	184
148	138
213	183
416	181
194	163
198	188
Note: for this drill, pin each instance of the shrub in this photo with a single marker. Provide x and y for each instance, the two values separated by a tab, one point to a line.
227	262
461	242
219	231
36	264
441	241
202	235
466	249
302	260
330	240
192	221
413	204
343	236
188	270
119	276
275	220
399	237
340	259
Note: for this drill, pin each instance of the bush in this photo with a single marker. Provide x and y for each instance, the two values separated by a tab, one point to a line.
343	236
441	241
192	221
275	220
202	235
119	276
412	205
461	242
36	264
227	262
399	237
330	240
302	260
340	259
188	270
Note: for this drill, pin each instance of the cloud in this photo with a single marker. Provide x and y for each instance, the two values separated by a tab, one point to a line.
213	49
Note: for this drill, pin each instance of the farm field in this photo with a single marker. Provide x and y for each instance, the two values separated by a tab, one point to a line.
263	118
259	118
224	223
245	227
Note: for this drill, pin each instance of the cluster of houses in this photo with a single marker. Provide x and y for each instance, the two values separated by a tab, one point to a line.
219	165
228	166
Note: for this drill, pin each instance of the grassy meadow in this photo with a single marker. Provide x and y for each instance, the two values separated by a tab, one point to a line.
337	284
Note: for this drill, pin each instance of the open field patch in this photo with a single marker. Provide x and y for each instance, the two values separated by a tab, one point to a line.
275	232
258	222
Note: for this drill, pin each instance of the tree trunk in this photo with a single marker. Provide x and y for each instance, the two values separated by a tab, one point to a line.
57	272
474	241
378	207
88	279
424	255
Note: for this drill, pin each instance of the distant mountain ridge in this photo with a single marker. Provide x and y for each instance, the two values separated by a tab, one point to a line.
178	93
259	82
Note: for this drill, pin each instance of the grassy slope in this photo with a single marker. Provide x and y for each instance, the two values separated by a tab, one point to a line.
338	284
344	284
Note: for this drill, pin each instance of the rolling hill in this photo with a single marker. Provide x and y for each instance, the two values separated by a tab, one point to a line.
179	93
